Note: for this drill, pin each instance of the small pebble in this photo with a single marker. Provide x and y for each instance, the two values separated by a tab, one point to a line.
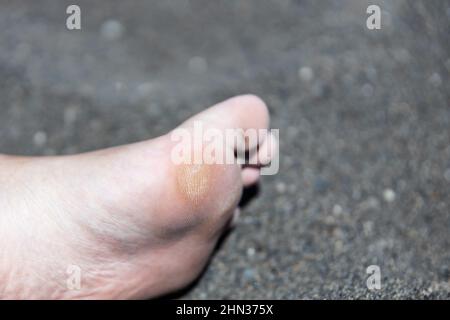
338	246
280	187
251	252
40	138
337	210
112	30
389	195
305	74
70	115
435	79
368	228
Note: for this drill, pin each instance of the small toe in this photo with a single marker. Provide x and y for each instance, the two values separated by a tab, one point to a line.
250	176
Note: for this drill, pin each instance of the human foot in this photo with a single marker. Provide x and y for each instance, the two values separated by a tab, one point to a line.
129	220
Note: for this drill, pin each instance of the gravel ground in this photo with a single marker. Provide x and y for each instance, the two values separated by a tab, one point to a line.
364	120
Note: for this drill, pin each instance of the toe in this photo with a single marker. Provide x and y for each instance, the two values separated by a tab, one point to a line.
241	113
211	186
250	176
267	150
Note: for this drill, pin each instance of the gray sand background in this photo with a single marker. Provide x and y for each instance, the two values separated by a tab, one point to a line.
364	119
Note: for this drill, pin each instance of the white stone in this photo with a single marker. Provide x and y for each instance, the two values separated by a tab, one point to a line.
435	79
112	30
40	138
389	195
280	187
337	210
251	252
306	74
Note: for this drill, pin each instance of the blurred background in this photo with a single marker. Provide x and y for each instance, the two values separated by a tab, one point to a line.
364	119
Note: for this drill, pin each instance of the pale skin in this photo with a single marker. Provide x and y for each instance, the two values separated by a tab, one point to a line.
136	224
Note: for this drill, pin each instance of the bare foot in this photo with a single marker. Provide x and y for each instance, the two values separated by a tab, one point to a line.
129	220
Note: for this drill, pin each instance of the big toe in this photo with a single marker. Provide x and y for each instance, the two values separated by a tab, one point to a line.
247	118
240	112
